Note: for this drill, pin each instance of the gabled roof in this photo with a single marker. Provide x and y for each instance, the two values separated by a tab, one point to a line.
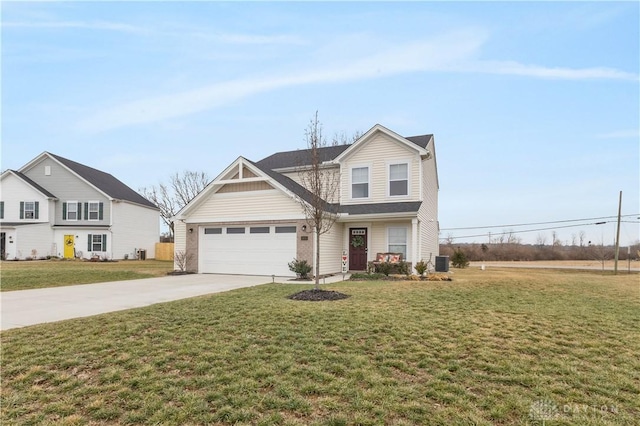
102	181
300	157
412	144
29	182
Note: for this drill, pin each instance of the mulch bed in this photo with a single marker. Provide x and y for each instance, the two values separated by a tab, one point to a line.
316	295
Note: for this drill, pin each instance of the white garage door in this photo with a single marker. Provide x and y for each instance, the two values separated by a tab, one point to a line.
251	250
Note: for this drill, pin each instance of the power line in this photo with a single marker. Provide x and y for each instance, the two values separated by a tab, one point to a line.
536	223
528	230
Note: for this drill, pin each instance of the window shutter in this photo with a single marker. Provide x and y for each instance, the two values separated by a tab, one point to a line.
21	209
90	240
79	209
101	211
37	205
1	209
64	211
104	242
86	210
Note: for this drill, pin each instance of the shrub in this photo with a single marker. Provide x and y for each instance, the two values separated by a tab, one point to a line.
459	259
385	268
300	267
421	267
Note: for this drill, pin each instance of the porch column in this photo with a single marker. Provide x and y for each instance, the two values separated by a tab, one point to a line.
414	242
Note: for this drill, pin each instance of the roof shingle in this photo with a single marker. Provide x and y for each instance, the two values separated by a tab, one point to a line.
105	182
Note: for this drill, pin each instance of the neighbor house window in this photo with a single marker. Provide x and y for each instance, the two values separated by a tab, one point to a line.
397	238
97	242
360	182
398	179
29	209
71	210
93	210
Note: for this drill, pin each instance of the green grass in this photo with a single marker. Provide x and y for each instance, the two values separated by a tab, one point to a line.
482	349
25	275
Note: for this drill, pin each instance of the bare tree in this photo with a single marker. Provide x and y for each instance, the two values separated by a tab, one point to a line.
171	197
320	206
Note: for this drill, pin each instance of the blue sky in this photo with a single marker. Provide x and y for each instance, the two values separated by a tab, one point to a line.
534	106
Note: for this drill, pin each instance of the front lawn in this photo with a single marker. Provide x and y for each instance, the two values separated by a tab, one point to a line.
23	275
494	347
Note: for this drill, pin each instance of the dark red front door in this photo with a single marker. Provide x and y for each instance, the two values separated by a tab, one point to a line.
358	249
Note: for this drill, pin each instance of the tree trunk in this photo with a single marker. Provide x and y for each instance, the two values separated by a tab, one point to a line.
317	258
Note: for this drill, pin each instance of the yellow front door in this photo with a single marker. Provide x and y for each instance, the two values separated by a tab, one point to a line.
69	251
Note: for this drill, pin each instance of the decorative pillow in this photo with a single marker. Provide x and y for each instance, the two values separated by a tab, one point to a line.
394	258
381	257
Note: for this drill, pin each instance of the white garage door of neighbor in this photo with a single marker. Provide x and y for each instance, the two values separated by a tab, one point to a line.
250	250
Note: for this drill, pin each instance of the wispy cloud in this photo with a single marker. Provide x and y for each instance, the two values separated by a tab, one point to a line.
451	52
558	73
419	56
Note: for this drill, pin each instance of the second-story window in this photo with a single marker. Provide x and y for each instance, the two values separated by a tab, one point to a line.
70	211
360	182
29	210
93	210
398	179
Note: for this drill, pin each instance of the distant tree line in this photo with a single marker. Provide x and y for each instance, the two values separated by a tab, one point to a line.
507	250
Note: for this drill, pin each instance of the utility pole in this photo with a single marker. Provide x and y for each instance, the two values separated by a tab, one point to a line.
615	264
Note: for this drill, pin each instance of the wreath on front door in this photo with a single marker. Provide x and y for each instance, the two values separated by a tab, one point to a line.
357	241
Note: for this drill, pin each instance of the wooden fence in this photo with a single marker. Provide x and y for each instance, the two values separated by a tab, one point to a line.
164	251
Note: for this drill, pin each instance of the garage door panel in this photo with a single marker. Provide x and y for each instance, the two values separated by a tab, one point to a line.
248	253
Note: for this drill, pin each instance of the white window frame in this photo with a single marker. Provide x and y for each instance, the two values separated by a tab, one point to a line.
32	210
72	203
97	211
405	255
351	182
396	163
94	243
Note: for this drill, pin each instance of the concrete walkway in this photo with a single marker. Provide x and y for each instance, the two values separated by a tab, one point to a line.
22	308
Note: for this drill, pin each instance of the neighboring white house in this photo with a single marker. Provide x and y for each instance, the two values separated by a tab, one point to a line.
53	206
248	220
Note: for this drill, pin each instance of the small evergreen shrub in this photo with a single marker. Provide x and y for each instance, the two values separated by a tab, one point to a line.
459	259
300	267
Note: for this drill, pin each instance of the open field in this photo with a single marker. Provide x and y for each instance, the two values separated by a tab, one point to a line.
623	265
54	273
502	346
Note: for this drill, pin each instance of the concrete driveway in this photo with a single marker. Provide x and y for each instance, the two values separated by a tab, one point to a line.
28	307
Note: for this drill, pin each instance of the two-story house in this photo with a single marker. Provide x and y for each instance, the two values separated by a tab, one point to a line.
249	220
53	206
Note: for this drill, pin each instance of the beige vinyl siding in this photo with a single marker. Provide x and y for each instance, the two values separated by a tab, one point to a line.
247	206
377	154
331	250
428	213
295	176
134	228
179	238
380	239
